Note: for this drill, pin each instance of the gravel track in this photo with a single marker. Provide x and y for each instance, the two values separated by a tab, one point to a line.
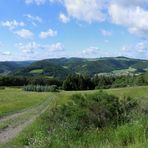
12	131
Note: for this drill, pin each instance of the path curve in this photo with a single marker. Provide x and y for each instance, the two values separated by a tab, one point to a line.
11	132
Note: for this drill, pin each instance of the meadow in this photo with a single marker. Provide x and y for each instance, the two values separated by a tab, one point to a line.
14	100
45	132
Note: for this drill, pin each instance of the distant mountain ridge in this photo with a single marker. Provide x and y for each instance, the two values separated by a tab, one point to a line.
61	67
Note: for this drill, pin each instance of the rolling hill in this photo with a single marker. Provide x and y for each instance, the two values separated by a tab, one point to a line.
8	67
61	67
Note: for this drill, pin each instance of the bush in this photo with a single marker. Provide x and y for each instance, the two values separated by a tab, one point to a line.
40	88
94	111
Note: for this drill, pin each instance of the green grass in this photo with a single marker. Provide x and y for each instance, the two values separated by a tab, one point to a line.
36	71
131	135
39	128
134	92
14	100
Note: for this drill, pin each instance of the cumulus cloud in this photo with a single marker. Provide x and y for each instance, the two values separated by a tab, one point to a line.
85	10
63	18
130	13
135	18
25	33
12	24
133	14
49	33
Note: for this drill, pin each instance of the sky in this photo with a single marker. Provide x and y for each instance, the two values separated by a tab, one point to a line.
42	29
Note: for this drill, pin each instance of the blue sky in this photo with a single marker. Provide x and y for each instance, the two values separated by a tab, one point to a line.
39	29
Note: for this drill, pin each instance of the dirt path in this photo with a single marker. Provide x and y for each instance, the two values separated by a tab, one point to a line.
11	131
15	115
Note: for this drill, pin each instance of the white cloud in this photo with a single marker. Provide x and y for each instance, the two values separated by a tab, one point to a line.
5	53
90	51
130	13
57	47
127	3
85	10
12	24
33	19
135	18
24	33
63	18
37	2
31	47
40	2
105	32
49	33
53	1
140	50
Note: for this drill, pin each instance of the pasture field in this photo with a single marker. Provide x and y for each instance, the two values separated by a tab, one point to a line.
134	92
37	134
36	71
14	100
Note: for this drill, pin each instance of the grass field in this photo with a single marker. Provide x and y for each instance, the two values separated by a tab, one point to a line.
36	71
134	92
14	100
37	135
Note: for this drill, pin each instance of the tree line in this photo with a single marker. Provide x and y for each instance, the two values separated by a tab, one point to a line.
22	81
77	82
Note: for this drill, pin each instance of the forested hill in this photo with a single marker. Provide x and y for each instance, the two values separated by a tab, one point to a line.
8	67
63	66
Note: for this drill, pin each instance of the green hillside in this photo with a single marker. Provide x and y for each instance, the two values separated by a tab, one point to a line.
62	67
7	67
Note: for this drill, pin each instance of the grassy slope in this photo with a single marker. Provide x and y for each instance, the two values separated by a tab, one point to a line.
37	134
14	100
134	92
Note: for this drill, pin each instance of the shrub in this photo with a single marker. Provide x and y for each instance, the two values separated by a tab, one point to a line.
94	111
40	88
